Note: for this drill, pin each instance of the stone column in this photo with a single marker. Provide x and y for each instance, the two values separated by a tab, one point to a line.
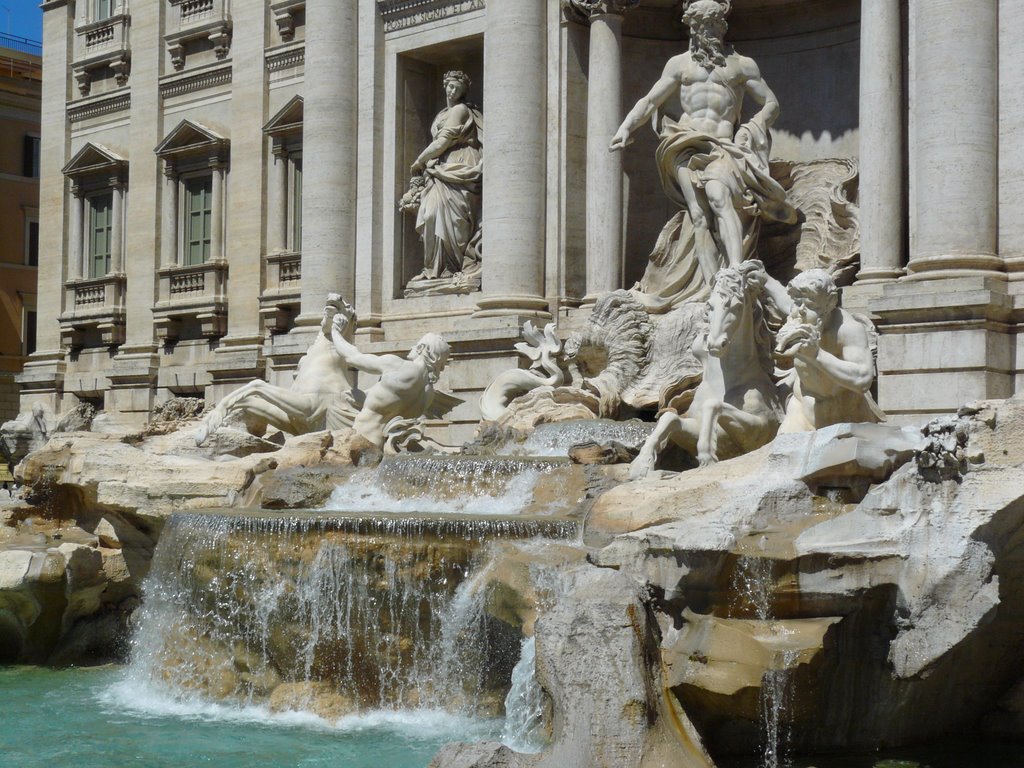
169	236
1011	134
76	233
278	229
329	141
515	72
956	135
117	228
882	197
604	168
217	213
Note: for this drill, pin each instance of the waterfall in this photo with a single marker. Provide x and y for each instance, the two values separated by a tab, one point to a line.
464	485
330	614
524	704
753	583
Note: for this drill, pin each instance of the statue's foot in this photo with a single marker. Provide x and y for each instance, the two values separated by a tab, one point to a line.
201	434
641	466
706	459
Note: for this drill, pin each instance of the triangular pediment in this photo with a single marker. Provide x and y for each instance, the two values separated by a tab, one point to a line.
287	120
189	136
93	158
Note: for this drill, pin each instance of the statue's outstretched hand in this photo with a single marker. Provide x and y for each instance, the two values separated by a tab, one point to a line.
620	140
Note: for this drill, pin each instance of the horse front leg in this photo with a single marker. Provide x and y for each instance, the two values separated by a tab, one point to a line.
670	428
707	433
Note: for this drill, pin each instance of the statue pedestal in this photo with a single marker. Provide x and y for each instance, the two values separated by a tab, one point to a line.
944	342
461	283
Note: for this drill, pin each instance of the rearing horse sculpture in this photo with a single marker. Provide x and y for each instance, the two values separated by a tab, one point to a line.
735	408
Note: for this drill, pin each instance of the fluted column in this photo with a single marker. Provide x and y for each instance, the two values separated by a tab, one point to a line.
76	233
956	133
604	168
515	72
329	141
882	190
169	235
117	227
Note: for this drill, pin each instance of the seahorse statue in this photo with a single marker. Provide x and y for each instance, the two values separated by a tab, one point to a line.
543	350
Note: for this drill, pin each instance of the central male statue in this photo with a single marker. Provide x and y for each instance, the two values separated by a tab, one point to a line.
711	165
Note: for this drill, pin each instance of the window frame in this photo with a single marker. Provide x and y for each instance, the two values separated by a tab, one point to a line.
108	228
184	224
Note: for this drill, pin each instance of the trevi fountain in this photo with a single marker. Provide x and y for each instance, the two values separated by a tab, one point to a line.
683	532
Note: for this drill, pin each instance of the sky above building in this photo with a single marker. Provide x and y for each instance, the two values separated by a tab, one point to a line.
22	18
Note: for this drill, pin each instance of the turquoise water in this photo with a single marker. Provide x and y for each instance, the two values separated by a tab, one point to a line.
90	718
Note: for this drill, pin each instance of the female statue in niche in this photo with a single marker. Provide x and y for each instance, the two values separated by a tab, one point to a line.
445	193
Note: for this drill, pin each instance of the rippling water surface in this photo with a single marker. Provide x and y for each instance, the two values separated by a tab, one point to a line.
90	718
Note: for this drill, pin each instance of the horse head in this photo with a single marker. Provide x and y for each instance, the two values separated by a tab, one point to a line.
734	292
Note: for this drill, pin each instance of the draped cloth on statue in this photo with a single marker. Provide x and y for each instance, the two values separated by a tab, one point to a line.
448	219
685	258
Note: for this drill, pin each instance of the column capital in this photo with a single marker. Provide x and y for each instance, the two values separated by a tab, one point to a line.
584	10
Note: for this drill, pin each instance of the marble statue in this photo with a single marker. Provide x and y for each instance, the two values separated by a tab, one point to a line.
445	194
830	349
319	397
28	432
712	166
736	407
405	391
545	352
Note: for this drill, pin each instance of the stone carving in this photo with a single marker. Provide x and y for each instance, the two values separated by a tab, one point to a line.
405	391
29	432
319	397
710	165
830	350
322	397
584	9
546	355
613	350
943	454
828	236
736	407
401	14
445	194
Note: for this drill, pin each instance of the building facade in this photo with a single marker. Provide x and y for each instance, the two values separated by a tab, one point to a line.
20	100
212	169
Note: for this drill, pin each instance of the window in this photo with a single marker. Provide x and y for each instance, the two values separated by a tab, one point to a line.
103	9
199	208
30	156
296	244
100	220
32	240
29	332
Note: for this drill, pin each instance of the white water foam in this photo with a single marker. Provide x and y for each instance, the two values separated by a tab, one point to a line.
363	494
150	702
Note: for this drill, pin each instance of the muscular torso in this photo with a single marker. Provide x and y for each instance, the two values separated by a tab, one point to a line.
711	101
321	370
404	391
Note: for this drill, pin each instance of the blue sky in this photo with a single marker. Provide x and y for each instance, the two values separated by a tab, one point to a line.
22	18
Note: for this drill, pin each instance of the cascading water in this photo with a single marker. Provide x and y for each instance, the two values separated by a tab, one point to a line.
555	439
524	704
753	584
327	614
463	485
